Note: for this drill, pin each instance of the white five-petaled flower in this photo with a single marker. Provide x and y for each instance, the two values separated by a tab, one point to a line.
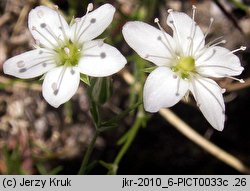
64	51
184	63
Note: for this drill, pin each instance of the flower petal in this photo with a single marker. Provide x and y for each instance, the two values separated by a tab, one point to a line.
219	62
60	84
163	88
150	43
29	64
46	26
100	60
208	96
93	24
186	32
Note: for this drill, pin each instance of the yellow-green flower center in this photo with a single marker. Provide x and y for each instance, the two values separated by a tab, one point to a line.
68	54
184	66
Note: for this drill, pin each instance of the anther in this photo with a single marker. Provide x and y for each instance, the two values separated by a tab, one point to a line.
90	7
54	86
43	25
156	20
175	76
241	81
170	10
20	64
72	71
239	49
56	7
168	45
206	33
56	92
22	70
156	56
93	20
103	55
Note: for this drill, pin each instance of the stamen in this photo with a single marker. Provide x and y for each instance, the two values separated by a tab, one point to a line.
192	35
99	44
206	33
44	64
92	55
168	45
207	80
48	29
56	85
175	28
156	56
84	30
35	29
209	47
236	79
178	87
239	49
77	31
47	51
194	10
218	43
61	24
211	43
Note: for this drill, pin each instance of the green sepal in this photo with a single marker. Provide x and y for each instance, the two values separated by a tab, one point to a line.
85	79
42	78
149	70
101	90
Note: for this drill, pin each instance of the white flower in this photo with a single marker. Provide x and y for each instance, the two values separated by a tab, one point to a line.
184	63
64	51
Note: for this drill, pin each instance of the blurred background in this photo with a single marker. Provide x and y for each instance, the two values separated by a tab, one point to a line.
36	138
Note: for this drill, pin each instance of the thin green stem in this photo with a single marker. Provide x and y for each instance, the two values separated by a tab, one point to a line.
85	161
130	136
